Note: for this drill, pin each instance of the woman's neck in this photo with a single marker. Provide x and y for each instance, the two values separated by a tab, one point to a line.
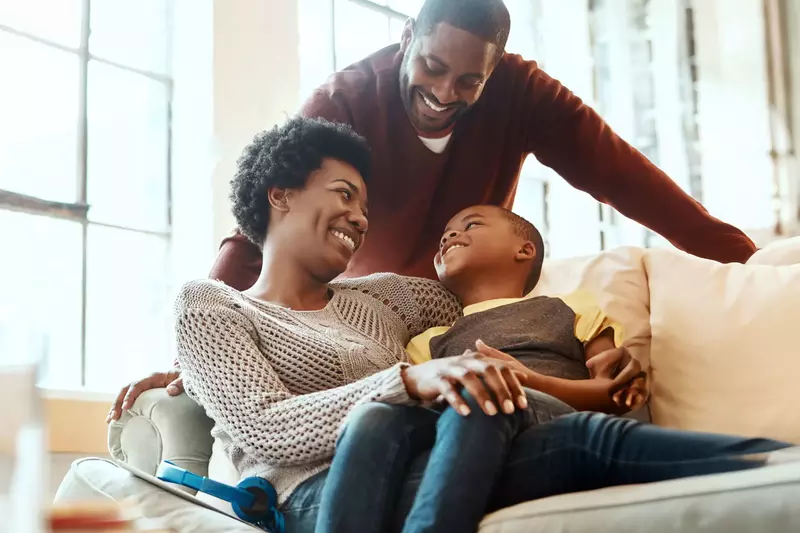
282	282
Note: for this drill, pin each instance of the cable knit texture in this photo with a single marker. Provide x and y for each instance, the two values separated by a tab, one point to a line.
279	383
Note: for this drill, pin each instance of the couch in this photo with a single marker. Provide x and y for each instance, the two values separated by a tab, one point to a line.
717	340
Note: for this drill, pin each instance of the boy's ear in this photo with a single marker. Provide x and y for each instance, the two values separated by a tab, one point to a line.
278	198
526	252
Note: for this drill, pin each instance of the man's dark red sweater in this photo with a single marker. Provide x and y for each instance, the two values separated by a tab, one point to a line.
414	191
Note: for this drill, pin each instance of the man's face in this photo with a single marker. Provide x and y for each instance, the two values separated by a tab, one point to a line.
443	74
478	239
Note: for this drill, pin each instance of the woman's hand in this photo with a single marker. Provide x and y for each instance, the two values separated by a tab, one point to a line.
172	380
490	381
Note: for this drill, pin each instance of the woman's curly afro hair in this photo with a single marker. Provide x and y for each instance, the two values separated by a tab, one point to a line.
284	157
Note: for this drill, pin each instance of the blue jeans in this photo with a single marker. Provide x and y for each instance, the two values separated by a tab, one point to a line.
384	479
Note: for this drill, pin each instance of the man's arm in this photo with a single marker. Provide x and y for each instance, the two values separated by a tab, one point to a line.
238	262
327	103
572	139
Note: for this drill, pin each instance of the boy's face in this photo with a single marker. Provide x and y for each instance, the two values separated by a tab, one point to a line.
479	239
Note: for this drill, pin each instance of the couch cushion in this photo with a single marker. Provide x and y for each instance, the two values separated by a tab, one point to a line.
162	427
779	253
724	354
763	500
99	478
617	279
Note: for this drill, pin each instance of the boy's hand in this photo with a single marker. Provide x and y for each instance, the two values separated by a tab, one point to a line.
494	353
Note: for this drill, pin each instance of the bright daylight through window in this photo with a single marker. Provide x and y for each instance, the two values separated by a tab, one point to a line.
84	185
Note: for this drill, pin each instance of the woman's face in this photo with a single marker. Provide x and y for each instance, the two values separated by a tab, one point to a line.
326	221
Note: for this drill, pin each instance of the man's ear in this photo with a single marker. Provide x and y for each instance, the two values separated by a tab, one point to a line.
526	252
278	198
407	36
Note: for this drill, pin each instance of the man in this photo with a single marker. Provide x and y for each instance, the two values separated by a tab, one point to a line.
450	118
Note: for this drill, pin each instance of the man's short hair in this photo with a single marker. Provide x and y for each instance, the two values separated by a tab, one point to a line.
528	231
487	19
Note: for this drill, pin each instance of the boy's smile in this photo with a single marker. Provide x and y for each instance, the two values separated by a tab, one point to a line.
479	244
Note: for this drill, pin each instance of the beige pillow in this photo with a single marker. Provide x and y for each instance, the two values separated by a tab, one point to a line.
779	253
724	356
617	279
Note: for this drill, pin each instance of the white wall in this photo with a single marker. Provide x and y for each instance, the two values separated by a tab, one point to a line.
193	154
256	77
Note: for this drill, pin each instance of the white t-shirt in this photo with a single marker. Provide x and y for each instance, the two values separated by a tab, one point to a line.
436	145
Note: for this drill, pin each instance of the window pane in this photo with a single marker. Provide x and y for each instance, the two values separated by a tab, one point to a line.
128	141
360	31
40	283
127	312
56	20
396	29
406	7
38	119
131	32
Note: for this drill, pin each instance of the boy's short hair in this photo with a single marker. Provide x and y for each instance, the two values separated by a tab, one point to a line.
528	231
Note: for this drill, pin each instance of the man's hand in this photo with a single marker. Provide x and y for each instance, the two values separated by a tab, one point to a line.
490	382
633	395
629	386
172	380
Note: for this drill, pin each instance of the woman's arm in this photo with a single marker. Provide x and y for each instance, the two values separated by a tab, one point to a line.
226	372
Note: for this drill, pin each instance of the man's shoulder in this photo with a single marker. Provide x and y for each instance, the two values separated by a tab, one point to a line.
518	81
514	69
360	83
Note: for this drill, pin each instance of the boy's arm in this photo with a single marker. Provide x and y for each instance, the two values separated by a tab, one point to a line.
583	395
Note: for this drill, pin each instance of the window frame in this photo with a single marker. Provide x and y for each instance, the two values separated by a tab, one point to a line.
78	210
368	4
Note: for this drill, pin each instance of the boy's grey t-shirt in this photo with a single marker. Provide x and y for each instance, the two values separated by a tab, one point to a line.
539	332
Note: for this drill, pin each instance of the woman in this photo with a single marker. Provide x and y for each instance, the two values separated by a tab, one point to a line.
280	366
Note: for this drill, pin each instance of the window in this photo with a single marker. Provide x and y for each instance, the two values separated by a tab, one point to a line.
349	30
85	185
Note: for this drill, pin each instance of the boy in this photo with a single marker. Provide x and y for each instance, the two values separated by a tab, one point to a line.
490	258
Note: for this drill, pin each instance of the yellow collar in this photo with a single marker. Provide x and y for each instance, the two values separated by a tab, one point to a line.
489	304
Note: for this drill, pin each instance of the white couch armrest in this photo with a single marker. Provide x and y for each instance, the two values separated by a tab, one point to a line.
162	427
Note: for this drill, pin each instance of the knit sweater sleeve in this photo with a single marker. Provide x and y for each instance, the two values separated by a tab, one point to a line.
571	138
226	372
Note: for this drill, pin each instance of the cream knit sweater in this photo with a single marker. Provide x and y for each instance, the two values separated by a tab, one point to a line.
279	383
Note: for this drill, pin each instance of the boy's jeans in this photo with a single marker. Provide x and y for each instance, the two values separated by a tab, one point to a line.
383	478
